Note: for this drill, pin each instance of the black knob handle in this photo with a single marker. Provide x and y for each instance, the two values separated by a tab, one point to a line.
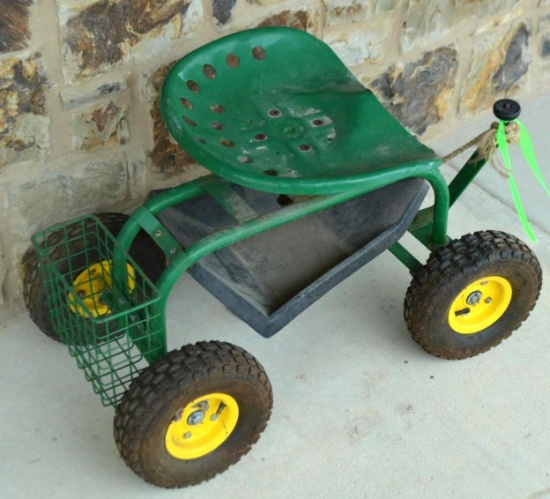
507	109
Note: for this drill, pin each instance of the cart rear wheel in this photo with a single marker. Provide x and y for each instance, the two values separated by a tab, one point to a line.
144	251
192	414
472	294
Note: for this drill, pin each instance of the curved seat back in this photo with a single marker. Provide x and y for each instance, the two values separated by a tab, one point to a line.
275	109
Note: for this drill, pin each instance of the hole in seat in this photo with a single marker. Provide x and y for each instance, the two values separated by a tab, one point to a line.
193	86
318	122
232	60
258	53
260	136
305	147
245	159
216	125
270	173
227	143
274	113
217	108
209	71
201	140
189	121
186	103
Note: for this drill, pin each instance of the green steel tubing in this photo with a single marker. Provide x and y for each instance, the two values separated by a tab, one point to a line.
429	225
465	176
182	260
405	257
153	206
440	208
130	230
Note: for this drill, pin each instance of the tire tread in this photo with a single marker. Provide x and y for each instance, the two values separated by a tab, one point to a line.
457	258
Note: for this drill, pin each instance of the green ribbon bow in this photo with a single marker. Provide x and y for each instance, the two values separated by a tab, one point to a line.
526	146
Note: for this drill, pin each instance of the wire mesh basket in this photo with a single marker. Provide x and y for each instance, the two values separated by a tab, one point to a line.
110	326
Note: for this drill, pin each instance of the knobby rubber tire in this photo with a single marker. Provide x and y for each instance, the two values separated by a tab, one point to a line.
453	267
144	251
172	382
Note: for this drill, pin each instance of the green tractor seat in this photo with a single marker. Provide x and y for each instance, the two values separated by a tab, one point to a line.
274	109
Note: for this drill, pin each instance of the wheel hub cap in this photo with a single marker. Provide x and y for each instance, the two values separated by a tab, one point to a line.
480	304
202	426
90	286
195	418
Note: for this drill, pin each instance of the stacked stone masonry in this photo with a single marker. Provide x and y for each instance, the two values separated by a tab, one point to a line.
80	129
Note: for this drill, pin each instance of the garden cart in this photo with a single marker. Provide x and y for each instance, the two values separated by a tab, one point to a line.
311	179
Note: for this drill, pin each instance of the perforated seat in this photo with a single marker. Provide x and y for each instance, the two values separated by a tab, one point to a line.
275	109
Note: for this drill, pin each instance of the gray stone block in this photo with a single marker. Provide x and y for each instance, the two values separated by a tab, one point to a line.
419	94
430	20
222	10
71	188
499	67
84	94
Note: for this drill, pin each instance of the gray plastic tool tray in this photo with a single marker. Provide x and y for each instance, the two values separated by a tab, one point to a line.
269	279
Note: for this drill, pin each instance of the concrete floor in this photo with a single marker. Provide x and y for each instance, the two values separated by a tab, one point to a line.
359	409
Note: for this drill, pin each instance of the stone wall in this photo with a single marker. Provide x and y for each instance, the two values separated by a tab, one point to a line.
79	121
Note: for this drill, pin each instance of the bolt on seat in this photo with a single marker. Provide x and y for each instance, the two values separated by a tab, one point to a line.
275	109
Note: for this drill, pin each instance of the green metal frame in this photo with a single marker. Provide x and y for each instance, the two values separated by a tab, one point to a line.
424	227
331	140
112	349
429	226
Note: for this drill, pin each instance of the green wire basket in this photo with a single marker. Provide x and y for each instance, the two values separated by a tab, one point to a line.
109	327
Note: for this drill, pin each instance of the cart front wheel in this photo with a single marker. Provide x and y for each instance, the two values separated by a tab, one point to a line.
192	414
472	294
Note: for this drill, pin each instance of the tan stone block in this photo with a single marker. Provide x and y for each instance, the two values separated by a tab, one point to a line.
361	45
499	68
428	21
14	25
3	272
137	177
167	157
104	35
544	23
84	94
100	128
299	19
420	93
24	126
340	11
386	5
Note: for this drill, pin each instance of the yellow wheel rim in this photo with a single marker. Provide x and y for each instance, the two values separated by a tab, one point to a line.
202	426
480	305
90	285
